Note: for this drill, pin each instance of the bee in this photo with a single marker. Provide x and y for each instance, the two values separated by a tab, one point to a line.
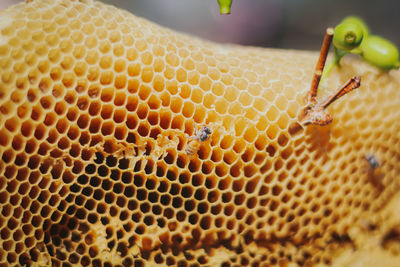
193	145
374	174
372	161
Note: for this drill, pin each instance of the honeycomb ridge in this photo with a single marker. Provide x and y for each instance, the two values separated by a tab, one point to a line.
98	109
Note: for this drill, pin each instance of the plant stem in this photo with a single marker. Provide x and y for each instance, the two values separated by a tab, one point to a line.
320	66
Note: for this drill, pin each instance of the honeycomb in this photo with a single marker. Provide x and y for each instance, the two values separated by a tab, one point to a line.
102	165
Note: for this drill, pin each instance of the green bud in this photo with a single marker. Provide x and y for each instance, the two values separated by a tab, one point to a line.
380	52
225	6
358	21
347	36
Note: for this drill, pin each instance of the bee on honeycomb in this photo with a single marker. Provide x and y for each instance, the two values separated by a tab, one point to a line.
372	161
202	135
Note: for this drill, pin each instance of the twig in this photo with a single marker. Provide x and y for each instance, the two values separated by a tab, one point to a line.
315	112
349	86
320	66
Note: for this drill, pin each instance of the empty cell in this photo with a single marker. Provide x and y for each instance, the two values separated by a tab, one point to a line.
188	109
107	128
27	129
107	94
94	126
283	140
221	106
226	142
64	143
131	121
107	78
272	131
142	111
272	113
250	170
83	103
283	121
132	103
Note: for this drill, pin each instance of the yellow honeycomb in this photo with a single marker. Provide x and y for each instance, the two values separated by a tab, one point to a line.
102	164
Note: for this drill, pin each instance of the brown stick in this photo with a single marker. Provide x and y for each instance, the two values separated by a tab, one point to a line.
320	66
315	112
349	86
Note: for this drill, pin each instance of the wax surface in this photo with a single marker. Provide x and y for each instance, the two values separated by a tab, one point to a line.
101	164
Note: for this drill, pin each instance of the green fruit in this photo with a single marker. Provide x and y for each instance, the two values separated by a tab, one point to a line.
225	6
358	21
347	36
380	52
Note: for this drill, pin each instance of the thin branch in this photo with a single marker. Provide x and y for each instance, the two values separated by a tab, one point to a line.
349	86
320	66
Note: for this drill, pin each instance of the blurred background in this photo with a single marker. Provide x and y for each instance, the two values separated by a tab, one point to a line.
297	24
